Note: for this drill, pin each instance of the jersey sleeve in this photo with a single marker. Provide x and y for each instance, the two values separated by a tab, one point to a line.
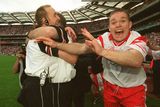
62	34
48	50
139	44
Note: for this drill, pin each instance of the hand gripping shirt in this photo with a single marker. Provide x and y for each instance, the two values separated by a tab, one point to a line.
123	76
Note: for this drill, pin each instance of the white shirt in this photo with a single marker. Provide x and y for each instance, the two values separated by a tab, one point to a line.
123	76
36	62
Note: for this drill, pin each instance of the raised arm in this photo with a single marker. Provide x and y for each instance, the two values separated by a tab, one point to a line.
129	57
72	34
73	48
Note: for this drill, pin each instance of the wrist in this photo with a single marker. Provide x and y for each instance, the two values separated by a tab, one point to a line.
92	39
55	52
58	45
102	53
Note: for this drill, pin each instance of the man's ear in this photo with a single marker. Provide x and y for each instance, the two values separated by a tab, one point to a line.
130	24
45	21
109	29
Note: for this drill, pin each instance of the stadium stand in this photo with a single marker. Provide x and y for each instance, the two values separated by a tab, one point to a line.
145	17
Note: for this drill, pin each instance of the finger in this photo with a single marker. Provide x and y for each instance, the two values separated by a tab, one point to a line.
38	40
69	33
74	35
88	43
87	34
83	30
42	39
95	43
45	42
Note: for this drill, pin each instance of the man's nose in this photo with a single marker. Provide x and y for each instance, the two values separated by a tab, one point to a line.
118	24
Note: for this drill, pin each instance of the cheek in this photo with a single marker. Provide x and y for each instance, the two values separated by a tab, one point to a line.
127	25
111	28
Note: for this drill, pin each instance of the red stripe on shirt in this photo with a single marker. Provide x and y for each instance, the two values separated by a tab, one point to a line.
101	40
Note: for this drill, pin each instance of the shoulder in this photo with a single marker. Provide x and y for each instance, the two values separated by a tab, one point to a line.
106	34
135	33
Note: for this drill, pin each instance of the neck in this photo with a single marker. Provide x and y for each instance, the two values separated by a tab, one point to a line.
118	43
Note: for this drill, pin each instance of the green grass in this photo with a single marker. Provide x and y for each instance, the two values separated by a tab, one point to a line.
9	83
9	88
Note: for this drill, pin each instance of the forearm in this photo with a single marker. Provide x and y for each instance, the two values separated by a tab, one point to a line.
58	53
43	31
70	58
73	48
15	67
125	58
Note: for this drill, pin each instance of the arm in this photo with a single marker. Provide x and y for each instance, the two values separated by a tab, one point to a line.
57	53
73	48
70	58
46	31
71	33
16	65
131	57
51	32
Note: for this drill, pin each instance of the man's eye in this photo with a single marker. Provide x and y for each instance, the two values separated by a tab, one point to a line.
113	23
123	20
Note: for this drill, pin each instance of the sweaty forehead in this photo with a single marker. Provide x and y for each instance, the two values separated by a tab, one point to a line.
118	15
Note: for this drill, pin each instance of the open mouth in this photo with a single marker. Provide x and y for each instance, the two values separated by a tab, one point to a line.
118	32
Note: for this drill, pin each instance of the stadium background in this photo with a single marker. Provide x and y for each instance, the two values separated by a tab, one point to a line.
145	15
